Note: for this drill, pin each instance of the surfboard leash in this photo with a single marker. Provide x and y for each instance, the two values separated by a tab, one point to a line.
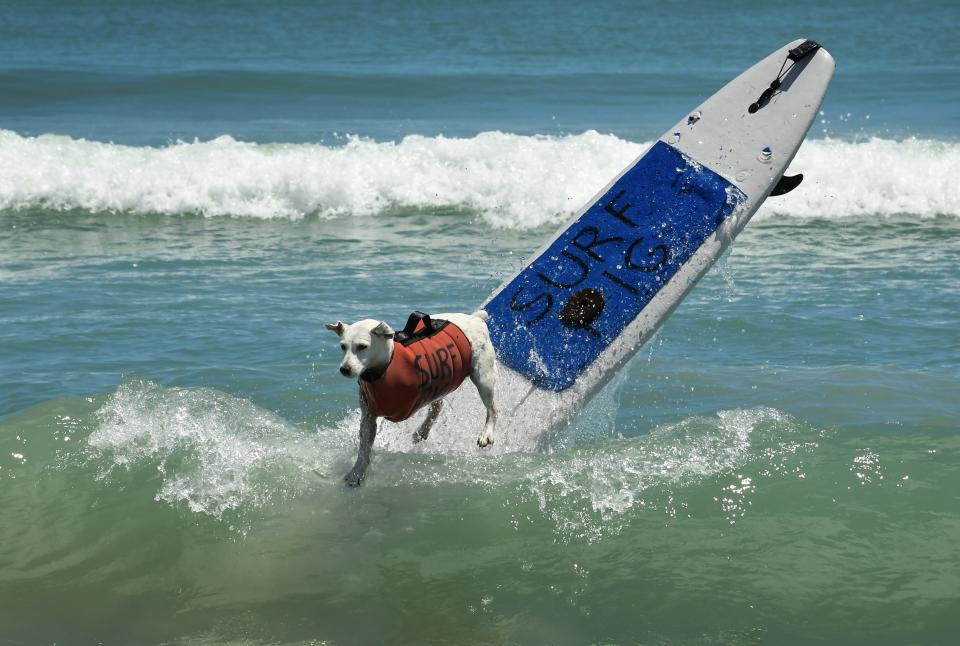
795	55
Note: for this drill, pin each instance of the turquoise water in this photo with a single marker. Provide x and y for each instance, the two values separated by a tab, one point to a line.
189	191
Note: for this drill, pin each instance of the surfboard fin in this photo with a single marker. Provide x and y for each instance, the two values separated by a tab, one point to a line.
786	184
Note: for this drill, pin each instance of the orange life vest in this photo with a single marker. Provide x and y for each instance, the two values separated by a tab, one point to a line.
430	360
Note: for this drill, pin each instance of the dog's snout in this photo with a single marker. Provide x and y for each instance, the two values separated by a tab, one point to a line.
345	371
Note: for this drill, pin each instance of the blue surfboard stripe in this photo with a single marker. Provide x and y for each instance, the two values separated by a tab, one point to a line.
562	311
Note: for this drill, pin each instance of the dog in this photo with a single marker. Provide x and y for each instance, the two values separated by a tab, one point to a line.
401	373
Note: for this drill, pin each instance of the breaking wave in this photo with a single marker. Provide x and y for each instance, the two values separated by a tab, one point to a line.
510	181
215	454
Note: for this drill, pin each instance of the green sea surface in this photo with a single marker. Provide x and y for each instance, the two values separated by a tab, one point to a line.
190	190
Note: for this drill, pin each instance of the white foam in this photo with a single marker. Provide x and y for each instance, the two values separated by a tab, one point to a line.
872	177
214	452
511	181
588	491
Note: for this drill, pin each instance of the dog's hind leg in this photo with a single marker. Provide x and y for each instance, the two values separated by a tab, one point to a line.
484	377
368	432
432	414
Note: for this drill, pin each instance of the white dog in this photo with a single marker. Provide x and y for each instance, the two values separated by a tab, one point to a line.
428	360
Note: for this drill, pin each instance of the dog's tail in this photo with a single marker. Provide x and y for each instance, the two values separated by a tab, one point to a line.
481	314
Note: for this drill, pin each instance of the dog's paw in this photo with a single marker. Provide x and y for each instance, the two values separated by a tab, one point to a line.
417	438
484	441
354	478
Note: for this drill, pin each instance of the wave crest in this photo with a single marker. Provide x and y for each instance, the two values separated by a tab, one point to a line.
511	181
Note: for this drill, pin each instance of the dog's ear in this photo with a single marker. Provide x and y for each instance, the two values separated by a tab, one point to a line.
383	330
335	327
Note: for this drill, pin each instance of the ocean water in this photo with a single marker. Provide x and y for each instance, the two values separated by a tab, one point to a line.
189	190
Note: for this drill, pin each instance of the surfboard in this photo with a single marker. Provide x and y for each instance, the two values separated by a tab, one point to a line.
584	303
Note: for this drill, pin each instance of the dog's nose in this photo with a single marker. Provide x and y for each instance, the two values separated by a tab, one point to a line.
345	371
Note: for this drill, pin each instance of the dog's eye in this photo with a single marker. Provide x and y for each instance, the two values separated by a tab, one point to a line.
362	346
343	346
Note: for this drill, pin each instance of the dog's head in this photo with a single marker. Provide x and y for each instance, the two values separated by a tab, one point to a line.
366	345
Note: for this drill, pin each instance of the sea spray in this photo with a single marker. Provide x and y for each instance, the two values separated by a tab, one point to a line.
212	452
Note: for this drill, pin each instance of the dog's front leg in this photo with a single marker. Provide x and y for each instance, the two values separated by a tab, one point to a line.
368	432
